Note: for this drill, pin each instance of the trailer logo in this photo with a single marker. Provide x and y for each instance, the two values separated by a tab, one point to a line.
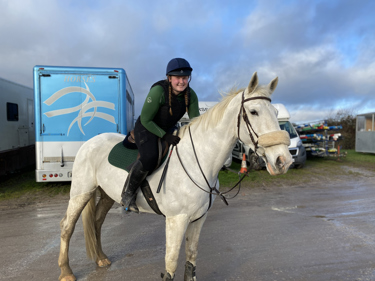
79	78
82	108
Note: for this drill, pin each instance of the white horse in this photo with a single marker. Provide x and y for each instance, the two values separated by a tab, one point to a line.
214	135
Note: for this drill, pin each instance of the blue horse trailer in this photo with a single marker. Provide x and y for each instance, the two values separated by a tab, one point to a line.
72	105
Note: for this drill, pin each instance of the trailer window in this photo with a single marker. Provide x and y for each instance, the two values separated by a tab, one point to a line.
130	100
12	111
361	123
365	122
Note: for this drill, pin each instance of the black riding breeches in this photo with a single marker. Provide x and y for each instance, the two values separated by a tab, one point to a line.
147	144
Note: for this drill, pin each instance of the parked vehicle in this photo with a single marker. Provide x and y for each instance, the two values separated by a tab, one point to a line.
17	142
72	105
296	148
203	107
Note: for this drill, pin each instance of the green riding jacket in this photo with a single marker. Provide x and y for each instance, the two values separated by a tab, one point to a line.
154	100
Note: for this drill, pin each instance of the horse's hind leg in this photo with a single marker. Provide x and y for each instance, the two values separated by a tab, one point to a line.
191	248
67	225
104	205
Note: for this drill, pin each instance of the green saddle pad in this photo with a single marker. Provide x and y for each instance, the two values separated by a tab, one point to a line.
122	157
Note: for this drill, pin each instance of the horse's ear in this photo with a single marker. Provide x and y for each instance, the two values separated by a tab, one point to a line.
253	83
273	84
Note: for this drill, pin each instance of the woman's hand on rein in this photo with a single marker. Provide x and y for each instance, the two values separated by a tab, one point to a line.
171	139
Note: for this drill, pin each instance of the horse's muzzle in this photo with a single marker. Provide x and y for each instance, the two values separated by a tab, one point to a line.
280	167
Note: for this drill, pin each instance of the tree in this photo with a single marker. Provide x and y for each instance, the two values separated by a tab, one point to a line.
347	119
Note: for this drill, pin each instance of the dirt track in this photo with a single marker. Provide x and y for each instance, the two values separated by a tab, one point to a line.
316	231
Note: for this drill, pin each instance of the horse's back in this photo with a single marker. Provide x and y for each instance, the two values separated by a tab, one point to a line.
90	156
100	143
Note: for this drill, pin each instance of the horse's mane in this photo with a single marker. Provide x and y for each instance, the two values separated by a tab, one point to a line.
214	114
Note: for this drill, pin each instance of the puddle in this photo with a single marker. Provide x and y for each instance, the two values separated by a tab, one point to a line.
360	171
284	209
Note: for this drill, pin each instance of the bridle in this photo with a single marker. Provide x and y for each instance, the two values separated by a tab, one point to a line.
250	129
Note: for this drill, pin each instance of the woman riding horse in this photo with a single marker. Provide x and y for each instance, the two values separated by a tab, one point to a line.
166	103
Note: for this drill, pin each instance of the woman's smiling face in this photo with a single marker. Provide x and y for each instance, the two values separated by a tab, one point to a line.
179	83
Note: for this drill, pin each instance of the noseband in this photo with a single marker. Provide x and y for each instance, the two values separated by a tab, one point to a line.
246	120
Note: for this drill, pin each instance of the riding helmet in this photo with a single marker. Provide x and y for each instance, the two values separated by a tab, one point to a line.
179	67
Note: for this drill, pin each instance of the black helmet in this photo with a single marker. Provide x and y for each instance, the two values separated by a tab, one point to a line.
179	67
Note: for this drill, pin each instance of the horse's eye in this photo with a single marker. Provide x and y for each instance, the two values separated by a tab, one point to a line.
253	112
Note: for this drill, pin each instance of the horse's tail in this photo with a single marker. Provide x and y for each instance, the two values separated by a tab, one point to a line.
88	220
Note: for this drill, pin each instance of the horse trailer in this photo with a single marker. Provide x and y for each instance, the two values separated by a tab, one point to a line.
17	142
72	105
365	133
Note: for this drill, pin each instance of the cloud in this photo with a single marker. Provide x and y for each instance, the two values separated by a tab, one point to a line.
322	51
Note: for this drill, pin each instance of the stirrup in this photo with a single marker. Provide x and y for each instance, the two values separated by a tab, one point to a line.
132	206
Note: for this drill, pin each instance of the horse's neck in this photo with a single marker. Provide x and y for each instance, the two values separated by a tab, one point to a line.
213	145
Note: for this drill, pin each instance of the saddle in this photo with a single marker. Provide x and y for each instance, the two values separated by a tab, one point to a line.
124	154
129	142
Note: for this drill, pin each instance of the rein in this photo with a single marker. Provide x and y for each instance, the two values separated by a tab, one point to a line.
213	190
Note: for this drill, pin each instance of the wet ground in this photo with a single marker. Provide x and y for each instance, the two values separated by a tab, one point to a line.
322	231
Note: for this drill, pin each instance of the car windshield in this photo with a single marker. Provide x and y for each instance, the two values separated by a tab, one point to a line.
287	126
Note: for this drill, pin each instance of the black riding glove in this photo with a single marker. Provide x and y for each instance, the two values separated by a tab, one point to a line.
171	139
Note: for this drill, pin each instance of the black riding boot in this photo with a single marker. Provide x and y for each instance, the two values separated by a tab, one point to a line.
133	181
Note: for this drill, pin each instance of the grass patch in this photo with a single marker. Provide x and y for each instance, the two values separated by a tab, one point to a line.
24	183
317	169
361	158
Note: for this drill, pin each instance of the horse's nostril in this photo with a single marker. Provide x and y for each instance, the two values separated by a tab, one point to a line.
280	162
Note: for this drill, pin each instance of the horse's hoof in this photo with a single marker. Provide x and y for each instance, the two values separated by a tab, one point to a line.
190	272
70	277
166	277
104	263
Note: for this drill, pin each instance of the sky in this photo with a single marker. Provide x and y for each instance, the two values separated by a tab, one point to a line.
323	52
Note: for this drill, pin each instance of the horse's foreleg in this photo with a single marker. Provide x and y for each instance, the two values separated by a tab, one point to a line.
104	205
67	226
191	248
175	230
